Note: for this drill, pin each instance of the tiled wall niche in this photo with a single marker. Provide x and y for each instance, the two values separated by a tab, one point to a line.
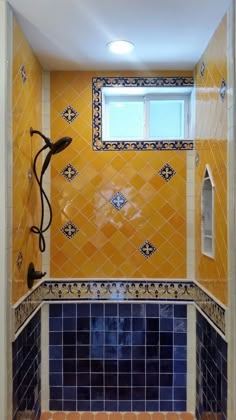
211	387
26	353
117	356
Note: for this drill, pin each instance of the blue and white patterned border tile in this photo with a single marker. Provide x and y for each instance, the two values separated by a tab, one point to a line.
99	82
118	290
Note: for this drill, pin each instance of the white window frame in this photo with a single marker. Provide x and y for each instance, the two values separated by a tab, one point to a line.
145	98
208	250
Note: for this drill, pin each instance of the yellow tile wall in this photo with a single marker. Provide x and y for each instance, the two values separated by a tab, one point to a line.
26	112
211	145
107	243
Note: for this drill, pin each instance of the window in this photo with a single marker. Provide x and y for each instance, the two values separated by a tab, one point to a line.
141	113
149	117
208	214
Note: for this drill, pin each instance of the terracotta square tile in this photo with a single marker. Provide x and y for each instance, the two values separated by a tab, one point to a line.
74	416
158	416
87	416
172	416
130	416
46	416
101	416
186	416
59	416
115	416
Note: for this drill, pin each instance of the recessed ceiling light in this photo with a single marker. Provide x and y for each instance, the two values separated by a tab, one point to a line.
120	47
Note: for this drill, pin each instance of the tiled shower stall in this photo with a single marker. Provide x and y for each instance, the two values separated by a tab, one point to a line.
132	317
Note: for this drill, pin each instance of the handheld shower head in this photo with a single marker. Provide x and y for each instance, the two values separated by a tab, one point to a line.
60	145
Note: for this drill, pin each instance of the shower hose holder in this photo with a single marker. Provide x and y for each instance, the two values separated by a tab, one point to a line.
33	275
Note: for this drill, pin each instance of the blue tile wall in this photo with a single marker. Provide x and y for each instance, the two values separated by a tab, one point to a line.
26	355
117	357
211	391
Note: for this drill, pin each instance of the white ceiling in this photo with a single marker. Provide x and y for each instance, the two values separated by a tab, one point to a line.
72	34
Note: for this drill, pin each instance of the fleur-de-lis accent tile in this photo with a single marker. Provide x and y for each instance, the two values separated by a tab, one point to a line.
69	114
69	172
118	201
147	249
69	229
167	172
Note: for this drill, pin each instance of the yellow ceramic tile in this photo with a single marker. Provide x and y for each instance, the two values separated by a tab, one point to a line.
211	145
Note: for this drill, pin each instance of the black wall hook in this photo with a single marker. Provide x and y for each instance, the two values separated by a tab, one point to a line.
33	275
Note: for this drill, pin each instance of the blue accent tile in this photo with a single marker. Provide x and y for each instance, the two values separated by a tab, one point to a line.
55	352
180	325
180	311
83	309
152	310
125	310
138	406
55	324
55	310
69	310
166	311
166	406
97	309
138	310
69	405
111	309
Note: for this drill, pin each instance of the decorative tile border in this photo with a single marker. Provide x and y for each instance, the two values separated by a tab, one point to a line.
211	308
26	307
119	290
99	82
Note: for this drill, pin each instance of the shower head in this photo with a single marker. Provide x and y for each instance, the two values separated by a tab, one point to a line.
56	147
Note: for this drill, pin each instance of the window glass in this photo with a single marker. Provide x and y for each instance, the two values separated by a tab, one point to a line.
125	119
166	119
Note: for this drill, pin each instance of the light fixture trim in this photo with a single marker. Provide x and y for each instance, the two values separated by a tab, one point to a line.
120	47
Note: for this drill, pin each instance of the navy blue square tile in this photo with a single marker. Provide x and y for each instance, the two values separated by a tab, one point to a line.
69	338
69	379
124	406
179	405
125	379
55	310
124	366
124	324
166	366
97	309
111	309
180	366
83	324
138	366
83	393
111	338
180	311
83	379
138	310
55	352
83	337
180	379
69	324
69	365
55	405
138	324
180	393
166	406
152	406
97	393
97	366
69	393
97	324
152	380
55	393
166	380
180	353
166	324
166	393
83	310
55	379
124	352
124	338
97	352
152	310
152	324
110	352
138	406
69	310
125	310
166	310
111	406
55	338
180	339
69	352
152	352
152	366
180	325
111	324
166	338
111	393
55	365
83	365
138	352
138	338
111	366
97	405
138	393
83	406
97	338
69	405
55	324
111	379
152	393
97	379
166	352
